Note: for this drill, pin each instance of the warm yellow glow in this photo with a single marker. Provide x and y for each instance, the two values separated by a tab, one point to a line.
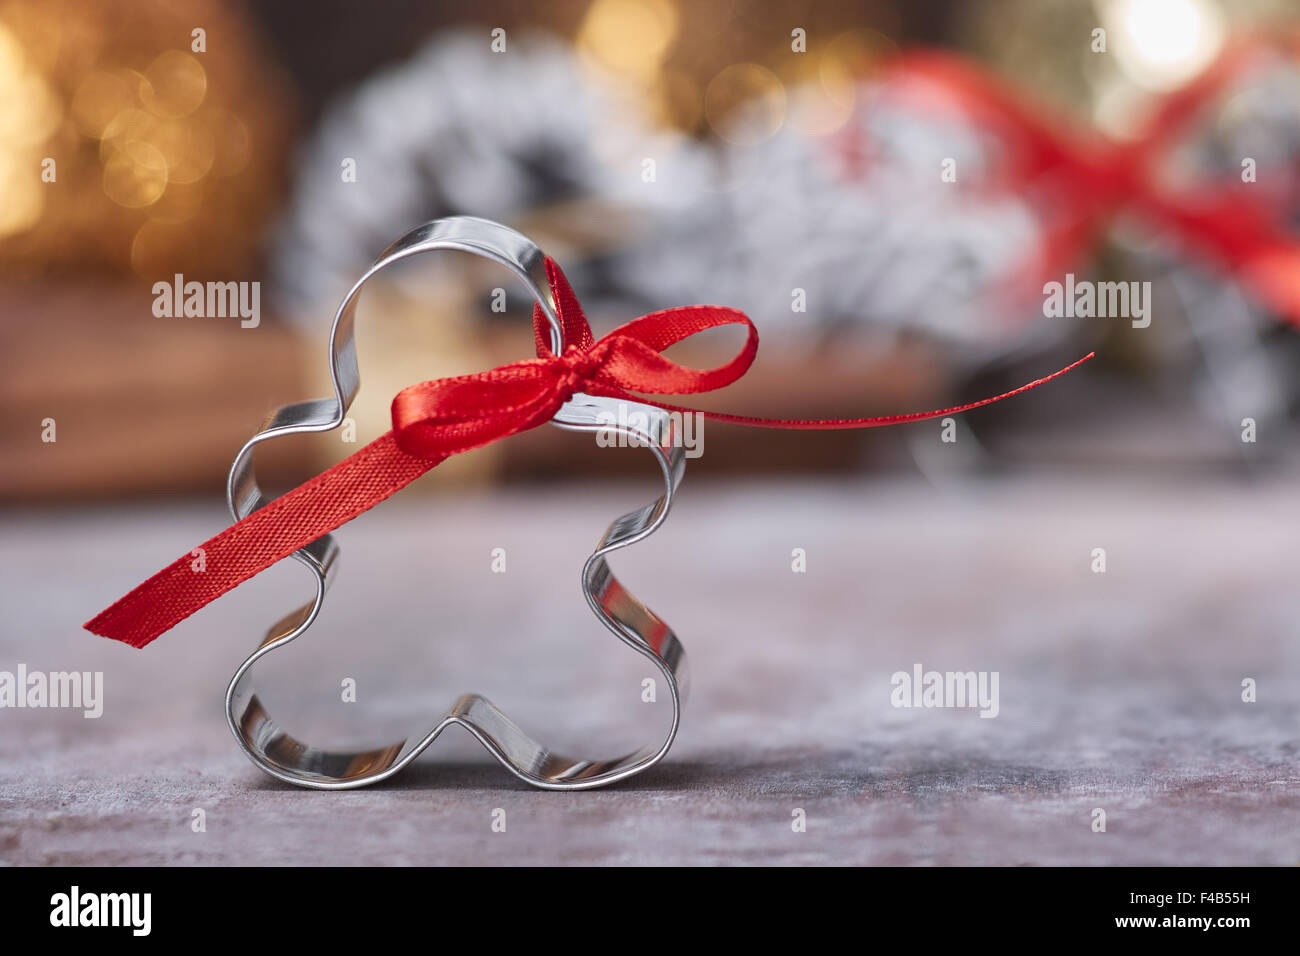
12	62
745	103
1160	44
180	202
233	142
677	100
109	121
176	84
128	126
151	246
135	174
102	96
630	37
186	145
22	192
849	57
29	114
825	90
43	27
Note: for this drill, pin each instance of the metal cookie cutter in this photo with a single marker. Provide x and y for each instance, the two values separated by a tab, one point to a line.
290	759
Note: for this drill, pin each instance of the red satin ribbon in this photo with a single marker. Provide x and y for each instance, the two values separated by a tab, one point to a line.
437	419
1079	179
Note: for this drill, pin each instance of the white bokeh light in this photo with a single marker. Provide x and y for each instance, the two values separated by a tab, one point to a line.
1162	43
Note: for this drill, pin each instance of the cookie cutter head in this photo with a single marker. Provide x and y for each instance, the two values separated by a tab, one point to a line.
288	758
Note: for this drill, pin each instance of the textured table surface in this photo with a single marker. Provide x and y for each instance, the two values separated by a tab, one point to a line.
1119	690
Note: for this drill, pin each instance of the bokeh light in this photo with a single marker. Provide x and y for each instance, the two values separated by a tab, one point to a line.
29	116
135	174
142	125
745	103
628	37
176	84
1160	44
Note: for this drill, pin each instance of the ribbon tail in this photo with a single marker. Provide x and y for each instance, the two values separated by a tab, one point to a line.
269	534
874	422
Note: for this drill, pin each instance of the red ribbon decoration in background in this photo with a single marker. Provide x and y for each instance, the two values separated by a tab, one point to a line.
1079	179
434	420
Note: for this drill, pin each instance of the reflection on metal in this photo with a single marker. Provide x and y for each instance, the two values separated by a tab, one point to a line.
288	758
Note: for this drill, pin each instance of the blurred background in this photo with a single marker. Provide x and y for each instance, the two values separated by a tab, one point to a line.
885	187
769	156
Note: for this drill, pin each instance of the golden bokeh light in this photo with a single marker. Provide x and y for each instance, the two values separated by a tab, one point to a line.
131	125
176	84
824	85
135	174
187	146
21	188
188	149
31	112
745	104
28	117
848	59
12	62
102	96
629	37
43	28
110	121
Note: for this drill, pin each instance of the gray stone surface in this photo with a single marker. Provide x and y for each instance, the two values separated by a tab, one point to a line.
1119	691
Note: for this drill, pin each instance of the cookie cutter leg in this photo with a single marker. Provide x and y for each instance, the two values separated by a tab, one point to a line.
286	757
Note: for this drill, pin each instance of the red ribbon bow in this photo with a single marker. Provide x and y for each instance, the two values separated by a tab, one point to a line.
450	415
434	420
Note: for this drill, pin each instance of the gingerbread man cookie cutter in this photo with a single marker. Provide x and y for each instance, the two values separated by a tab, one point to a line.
290	759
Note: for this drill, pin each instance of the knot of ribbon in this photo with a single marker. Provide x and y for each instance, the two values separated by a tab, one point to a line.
452	415
437	419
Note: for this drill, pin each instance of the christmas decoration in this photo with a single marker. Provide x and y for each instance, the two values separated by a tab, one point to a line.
575	382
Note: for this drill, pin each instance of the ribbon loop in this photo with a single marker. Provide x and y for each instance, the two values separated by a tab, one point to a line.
637	361
436	419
